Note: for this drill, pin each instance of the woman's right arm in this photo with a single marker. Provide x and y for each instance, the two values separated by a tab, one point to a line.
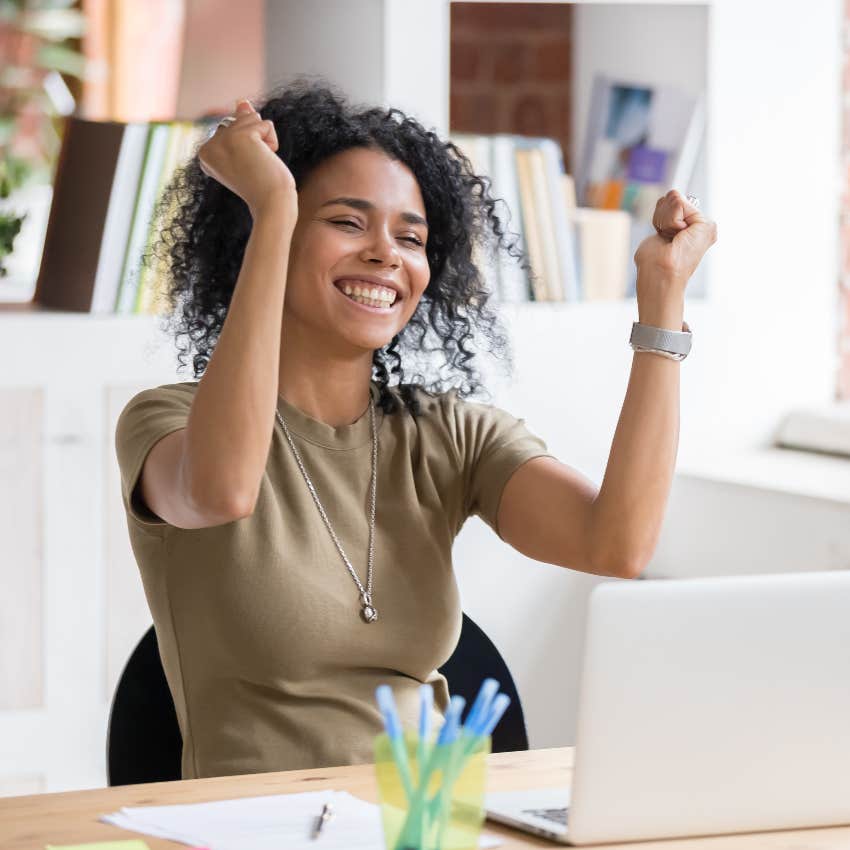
209	473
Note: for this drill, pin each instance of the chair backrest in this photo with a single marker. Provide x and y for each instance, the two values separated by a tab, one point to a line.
476	658
144	742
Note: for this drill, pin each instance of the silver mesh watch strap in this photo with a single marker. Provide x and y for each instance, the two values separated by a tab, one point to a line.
672	344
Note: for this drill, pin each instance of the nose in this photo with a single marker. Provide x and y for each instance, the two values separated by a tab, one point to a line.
382	250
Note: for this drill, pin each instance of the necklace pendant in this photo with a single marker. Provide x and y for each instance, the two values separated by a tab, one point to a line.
368	612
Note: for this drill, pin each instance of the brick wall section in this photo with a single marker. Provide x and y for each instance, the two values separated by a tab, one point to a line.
511	69
843	388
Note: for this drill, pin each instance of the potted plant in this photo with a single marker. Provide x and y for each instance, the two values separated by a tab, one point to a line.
34	54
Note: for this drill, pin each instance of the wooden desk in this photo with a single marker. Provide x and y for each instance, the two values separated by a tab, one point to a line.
28	823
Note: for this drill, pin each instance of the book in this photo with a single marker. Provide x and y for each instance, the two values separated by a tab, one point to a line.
514	284
604	238
119	215
563	225
82	190
533	231
146	196
182	136
478	150
642	140
108	180
546	222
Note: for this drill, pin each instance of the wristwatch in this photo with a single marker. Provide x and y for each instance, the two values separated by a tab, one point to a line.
672	344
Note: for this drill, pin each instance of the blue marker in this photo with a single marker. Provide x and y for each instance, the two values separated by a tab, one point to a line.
487	723
489	688
450	728
500	705
426	703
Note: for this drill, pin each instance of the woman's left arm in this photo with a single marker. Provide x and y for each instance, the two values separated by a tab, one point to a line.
615	530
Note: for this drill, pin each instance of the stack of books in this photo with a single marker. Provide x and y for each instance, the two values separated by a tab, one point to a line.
109	178
580	233
575	254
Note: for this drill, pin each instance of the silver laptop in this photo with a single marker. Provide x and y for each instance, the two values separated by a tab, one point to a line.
706	706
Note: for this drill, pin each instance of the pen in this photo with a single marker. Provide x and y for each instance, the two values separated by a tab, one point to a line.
326	815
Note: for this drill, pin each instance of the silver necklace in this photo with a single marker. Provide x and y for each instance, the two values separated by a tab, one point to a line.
367	610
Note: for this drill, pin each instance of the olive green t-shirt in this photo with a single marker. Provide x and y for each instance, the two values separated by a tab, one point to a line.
258	620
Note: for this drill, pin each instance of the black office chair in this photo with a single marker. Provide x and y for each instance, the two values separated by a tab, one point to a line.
144	743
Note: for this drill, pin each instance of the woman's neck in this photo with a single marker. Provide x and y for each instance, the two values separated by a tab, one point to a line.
336	396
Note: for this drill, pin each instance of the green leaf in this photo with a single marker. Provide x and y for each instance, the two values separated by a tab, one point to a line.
56	57
53	24
14	172
10	226
10	10
51	4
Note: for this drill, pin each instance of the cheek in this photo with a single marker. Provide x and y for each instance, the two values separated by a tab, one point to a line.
420	273
319	249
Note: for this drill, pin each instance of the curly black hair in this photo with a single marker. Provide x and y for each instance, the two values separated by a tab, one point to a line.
203	229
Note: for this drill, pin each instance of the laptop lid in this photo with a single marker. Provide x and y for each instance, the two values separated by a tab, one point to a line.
713	705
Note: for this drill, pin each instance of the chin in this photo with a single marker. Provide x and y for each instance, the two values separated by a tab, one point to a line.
369	342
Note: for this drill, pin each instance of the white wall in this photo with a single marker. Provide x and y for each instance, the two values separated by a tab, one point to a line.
765	341
380	52
339	40
774	145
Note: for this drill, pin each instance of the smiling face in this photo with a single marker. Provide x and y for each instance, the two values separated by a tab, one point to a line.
361	220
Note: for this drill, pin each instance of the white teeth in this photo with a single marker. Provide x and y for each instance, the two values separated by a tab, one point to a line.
382	296
371	302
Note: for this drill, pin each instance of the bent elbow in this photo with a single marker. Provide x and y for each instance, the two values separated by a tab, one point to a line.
224	507
242	507
634	569
620	566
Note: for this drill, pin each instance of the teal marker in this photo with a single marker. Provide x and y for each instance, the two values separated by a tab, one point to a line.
416	824
386	704
476	728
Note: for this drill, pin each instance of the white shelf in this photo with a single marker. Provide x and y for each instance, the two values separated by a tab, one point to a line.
801	473
13	311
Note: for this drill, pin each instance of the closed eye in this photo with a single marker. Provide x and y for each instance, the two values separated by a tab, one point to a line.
414	239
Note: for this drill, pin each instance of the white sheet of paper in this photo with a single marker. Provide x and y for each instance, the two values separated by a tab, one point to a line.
265	823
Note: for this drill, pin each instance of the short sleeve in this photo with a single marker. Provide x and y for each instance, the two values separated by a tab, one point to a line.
491	444
148	417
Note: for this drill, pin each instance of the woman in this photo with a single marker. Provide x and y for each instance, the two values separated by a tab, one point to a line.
292	514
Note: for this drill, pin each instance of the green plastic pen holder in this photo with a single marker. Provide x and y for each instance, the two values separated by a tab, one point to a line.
453	813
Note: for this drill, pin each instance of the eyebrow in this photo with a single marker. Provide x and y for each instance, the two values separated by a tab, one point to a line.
363	204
